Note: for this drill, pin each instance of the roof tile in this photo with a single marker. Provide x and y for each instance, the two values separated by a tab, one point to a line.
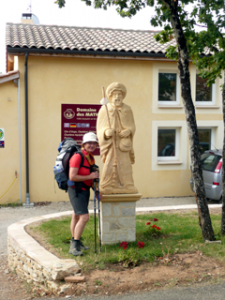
72	38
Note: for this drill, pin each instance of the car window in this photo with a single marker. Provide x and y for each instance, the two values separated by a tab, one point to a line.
209	161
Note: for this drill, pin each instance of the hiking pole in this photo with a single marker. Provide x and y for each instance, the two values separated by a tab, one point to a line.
95	215
99	221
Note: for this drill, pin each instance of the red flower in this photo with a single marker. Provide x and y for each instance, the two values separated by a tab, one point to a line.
156	219
153	226
148	223
140	244
124	245
158	228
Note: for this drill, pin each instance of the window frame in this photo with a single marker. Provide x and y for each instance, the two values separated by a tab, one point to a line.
168	102
213	135
206	103
177	141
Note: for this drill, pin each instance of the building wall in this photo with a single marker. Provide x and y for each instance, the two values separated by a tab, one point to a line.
56	80
9	155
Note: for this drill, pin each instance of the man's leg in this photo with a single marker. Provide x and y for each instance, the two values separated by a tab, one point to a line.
79	228
73	223
76	245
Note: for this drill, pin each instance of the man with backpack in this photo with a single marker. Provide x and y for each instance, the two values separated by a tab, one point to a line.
80	181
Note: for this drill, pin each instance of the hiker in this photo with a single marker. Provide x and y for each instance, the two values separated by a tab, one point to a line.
80	182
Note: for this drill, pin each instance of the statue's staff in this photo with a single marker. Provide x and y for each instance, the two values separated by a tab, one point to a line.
104	101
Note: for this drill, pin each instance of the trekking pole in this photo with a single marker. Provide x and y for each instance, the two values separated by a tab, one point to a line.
99	221
95	215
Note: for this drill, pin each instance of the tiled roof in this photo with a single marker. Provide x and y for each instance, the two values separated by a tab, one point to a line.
56	38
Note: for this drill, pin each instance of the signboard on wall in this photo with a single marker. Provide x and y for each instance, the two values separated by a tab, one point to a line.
2	138
78	119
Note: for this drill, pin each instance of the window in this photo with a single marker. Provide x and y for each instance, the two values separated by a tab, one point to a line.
167	144
204	94
204	139
168	88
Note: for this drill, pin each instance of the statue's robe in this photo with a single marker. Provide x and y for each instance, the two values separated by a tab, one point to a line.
120	118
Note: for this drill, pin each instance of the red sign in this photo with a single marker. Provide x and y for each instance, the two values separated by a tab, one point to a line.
78	119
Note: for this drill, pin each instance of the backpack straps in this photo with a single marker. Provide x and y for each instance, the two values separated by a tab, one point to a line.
82	161
80	184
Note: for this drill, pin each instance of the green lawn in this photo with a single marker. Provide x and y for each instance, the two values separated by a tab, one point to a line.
178	234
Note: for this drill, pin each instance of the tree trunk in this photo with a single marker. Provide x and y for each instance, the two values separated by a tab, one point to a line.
223	166
183	66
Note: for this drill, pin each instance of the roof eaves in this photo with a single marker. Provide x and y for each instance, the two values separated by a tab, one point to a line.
83	51
12	75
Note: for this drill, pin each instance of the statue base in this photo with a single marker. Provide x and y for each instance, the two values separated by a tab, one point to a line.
118	218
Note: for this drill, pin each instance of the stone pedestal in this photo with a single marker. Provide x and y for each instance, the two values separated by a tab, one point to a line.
118	218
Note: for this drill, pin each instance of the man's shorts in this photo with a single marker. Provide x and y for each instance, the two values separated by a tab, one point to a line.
79	201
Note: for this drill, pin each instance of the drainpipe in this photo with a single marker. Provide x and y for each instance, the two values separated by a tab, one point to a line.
19	127
26	132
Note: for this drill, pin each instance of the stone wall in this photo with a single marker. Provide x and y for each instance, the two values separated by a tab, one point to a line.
34	263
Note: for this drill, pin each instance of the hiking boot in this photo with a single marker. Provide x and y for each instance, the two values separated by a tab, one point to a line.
72	246
82	247
75	248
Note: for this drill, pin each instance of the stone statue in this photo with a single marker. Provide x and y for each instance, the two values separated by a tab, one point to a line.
115	130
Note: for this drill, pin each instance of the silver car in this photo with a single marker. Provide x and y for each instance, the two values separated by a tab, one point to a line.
211	161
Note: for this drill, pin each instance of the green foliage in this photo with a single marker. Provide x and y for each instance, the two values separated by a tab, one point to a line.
98	282
61	3
129	258
11	204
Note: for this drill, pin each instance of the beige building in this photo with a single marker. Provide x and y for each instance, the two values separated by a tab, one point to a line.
58	65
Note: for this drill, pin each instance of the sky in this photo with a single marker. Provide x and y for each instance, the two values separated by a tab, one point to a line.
76	13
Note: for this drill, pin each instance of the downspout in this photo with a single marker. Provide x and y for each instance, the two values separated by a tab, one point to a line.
19	127
26	130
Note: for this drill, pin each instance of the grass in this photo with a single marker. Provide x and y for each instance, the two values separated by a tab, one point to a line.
178	234
11	204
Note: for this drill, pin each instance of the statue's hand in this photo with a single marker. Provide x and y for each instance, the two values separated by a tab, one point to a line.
125	133
109	133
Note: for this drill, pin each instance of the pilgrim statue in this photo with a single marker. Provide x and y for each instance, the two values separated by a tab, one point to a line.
115	130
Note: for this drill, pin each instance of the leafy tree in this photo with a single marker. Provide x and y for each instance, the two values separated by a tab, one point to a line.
212	14
178	23
61	3
207	50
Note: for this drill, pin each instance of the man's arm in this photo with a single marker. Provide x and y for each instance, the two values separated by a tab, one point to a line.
73	175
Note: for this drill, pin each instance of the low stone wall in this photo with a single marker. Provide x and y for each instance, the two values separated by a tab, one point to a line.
34	263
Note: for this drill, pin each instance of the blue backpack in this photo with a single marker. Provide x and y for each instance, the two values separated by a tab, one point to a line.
66	150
